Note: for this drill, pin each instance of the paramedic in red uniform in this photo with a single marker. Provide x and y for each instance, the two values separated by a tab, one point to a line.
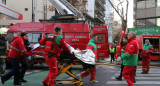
17	50
146	53
53	45
130	59
92	46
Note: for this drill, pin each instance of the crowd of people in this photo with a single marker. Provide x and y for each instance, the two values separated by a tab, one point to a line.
54	44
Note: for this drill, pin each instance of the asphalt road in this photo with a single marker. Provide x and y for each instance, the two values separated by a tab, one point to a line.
105	74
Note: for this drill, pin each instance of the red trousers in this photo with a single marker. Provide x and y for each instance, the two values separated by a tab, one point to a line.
90	71
128	74
52	64
145	64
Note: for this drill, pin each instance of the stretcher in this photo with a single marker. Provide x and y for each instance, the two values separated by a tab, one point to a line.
65	66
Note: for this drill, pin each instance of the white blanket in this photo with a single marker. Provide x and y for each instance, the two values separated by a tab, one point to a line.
87	56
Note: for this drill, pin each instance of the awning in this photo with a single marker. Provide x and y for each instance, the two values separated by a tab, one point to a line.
10	12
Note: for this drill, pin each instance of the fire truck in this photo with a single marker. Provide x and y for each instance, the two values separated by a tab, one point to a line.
102	43
75	31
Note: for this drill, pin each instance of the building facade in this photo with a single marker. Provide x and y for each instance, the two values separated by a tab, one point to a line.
34	10
147	13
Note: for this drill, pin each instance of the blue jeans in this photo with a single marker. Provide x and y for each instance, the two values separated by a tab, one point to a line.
13	72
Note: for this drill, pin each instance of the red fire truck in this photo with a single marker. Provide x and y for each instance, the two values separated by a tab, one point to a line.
102	43
75	34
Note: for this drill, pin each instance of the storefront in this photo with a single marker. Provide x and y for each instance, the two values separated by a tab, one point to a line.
151	33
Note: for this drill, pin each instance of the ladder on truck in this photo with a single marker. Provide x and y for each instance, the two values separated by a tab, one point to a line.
64	7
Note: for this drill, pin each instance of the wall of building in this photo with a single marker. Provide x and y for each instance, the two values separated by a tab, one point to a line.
147	13
90	7
25	8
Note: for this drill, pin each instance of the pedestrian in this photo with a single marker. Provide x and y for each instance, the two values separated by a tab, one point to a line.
3	48
130	59
17	49
53	45
112	51
24	60
92	46
146	54
123	45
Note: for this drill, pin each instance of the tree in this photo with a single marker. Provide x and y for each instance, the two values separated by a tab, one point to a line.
119	8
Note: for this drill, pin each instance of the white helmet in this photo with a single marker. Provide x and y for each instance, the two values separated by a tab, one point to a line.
2	31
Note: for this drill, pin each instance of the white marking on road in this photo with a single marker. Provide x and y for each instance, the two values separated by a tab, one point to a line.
145	75
137	82
141	78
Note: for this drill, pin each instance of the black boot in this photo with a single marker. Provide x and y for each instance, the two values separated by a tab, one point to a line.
119	78
22	80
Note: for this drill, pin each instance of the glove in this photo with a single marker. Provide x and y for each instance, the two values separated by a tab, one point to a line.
29	57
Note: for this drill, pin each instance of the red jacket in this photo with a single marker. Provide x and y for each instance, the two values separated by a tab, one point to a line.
59	41
17	48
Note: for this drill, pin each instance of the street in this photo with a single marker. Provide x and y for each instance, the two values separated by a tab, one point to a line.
105	74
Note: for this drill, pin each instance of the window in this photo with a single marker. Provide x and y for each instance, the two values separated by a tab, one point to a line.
141	4
158	21
26	9
150	22
34	37
101	39
150	3
158	3
141	23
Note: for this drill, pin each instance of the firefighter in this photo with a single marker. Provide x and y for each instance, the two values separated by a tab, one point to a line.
92	46
3	48
17	49
53	45
130	59
146	53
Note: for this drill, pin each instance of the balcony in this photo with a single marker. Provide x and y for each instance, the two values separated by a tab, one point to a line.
99	12
99	4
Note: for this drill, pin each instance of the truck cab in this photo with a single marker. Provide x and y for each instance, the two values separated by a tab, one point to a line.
102	43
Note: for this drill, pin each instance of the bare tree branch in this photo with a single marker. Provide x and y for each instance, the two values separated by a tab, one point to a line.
116	10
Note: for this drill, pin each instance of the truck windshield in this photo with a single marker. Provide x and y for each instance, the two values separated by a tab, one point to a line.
101	39
34	37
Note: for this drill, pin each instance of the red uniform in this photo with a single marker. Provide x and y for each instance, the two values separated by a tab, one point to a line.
17	48
130	59
90	71
58	43
146	54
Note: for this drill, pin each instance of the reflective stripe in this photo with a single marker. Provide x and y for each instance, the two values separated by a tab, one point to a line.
18	49
51	79
2	56
23	50
47	46
15	48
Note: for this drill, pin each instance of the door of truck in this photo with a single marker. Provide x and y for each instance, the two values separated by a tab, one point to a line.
102	43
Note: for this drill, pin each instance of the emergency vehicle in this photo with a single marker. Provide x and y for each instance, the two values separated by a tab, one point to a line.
151	33
102	43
